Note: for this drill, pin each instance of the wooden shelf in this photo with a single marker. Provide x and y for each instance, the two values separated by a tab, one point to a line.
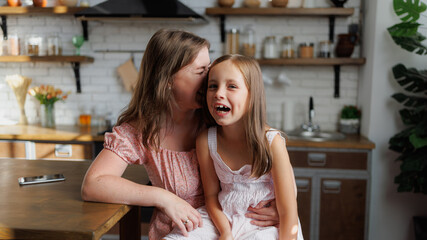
312	61
22	58
40	10
74	60
281	11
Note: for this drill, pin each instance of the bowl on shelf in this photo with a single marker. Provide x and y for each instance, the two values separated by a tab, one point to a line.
338	3
69	3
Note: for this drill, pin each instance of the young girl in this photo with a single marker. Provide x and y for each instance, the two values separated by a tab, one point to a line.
242	160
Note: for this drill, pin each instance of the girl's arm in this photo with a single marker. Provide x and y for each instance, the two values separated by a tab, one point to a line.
211	187
103	183
284	186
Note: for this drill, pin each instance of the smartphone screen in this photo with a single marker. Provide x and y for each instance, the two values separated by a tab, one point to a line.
41	179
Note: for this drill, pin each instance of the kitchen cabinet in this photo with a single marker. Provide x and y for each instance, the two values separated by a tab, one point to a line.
333	190
331	13
58	10
12	149
31	150
63	151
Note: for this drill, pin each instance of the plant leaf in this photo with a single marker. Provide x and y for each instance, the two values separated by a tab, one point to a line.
408	10
412	43
409	101
418	142
411	79
404	29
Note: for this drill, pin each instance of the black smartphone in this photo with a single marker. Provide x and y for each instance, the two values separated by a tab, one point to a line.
41	179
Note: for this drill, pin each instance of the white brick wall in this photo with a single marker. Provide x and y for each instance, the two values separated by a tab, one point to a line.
102	89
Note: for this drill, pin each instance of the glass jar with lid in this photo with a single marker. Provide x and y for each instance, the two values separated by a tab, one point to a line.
306	50
248	46
287	47
270	48
232	42
324	49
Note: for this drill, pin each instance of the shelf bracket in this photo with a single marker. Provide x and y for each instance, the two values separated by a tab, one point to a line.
331	28
337	69
4	26
222	27
76	68
85	32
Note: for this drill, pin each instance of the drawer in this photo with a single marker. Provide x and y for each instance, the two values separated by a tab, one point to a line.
64	151
338	160
12	149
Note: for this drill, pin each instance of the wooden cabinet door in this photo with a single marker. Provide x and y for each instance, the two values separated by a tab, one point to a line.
64	151
342	209
304	189
12	149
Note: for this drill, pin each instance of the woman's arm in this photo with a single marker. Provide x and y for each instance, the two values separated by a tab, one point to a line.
103	183
284	186
211	187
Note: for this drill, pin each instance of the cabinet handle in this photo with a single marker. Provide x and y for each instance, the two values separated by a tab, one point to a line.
303	185
316	159
331	186
63	150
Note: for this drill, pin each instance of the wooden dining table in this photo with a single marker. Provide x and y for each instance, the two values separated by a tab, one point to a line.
56	210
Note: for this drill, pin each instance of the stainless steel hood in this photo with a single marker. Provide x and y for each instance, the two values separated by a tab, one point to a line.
158	10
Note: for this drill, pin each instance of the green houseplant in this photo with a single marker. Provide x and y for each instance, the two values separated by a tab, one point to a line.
411	143
350	119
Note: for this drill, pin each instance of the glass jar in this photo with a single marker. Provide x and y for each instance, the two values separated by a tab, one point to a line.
270	48
325	49
248	45
13	45
232	44
33	45
54	46
288	50
306	50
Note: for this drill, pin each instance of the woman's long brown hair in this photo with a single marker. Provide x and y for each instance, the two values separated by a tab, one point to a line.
166	53
255	120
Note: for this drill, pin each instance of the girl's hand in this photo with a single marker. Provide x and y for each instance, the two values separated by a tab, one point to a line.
180	212
264	214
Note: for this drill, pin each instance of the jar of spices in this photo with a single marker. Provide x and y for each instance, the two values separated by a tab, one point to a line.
324	49
248	41
54	46
232	44
306	50
34	45
270	48
288	50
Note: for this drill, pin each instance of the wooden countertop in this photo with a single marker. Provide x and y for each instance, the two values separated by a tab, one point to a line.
89	134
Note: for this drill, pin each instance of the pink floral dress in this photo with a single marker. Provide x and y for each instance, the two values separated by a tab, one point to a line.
177	172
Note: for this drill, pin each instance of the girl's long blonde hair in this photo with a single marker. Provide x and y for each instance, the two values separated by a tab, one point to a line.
255	119
166	53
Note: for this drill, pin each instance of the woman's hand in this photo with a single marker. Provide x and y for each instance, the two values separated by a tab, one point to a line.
180	212
264	214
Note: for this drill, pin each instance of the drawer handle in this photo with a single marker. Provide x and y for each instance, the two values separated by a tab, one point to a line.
303	185
316	159
331	186
63	150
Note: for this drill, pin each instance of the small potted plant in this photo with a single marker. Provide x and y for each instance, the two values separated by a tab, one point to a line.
350	120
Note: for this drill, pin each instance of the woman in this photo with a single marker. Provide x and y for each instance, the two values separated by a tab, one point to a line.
159	129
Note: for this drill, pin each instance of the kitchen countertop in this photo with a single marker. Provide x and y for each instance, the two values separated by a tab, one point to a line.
89	134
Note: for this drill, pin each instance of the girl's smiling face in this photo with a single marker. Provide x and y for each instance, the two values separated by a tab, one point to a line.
227	94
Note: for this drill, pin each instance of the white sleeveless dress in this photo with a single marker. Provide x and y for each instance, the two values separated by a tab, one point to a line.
238	192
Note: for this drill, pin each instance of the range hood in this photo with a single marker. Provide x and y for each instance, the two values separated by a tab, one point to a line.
158	10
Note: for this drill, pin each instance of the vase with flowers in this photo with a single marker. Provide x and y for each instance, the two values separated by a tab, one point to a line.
47	96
